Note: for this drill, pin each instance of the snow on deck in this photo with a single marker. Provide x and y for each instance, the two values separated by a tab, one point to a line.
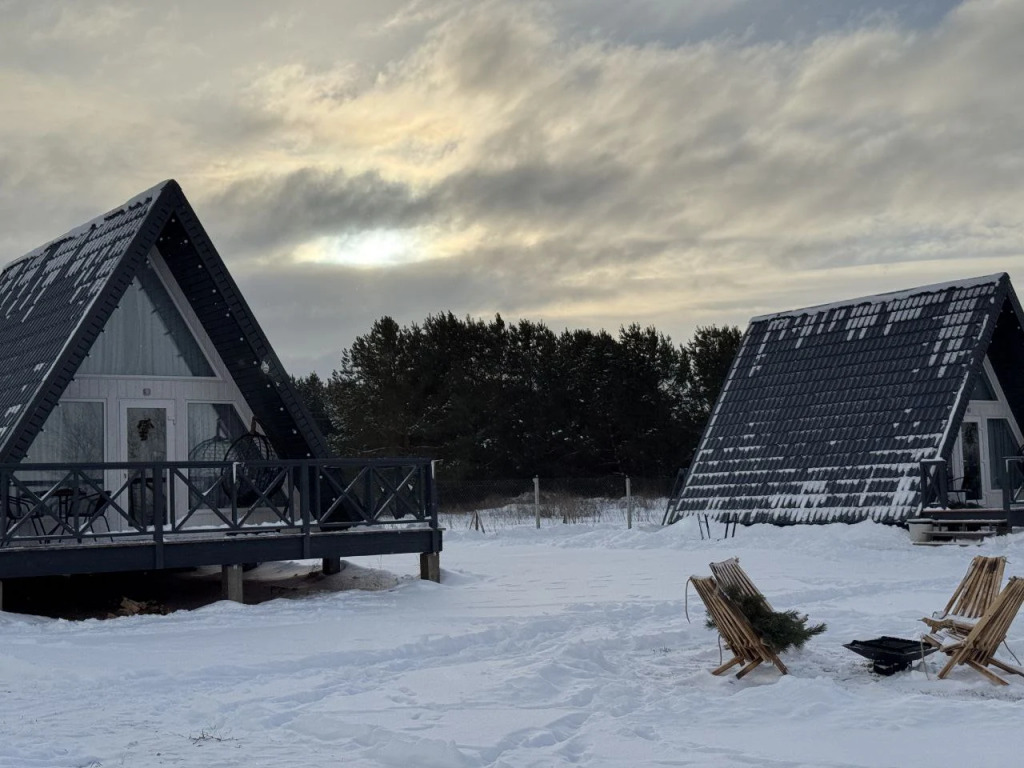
566	646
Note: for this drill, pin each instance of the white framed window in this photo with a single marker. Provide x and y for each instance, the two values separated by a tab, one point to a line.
212	428
73	432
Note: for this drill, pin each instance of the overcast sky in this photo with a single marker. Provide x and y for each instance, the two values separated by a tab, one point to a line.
587	163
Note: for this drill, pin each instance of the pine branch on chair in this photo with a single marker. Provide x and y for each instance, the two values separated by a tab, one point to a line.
780	630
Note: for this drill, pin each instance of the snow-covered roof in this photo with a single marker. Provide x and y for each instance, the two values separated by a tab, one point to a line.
881	298
828	411
55	300
46	294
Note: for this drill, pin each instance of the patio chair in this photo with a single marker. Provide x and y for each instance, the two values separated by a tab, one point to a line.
731	578
740	637
21	515
977	649
84	511
974	594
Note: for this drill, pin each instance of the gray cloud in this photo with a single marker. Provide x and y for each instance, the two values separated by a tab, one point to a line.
320	310
264	214
530	192
587	163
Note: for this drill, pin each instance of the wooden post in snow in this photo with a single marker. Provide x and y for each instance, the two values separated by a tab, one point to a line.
231	582
430	566
629	504
536	498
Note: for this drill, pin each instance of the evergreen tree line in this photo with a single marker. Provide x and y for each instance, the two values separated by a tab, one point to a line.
497	400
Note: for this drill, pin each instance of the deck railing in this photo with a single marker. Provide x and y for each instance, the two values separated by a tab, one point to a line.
110	502
934	483
936	490
1012	482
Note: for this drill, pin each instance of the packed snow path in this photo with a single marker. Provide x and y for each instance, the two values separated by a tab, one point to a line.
563	646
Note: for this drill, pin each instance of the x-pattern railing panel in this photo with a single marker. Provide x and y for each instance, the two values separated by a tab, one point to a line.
273	493
371	493
347	498
206	501
934	483
55	510
397	500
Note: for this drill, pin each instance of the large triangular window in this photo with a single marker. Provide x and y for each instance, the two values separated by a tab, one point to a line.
146	336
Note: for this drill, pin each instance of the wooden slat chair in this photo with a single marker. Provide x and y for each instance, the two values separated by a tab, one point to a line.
977	649
740	637
731	577
972	597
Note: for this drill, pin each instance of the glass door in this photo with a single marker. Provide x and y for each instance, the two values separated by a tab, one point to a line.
147	435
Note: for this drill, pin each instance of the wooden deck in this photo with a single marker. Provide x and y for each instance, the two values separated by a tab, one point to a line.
175	515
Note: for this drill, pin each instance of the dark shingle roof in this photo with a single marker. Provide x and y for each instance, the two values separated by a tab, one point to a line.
827	411
56	299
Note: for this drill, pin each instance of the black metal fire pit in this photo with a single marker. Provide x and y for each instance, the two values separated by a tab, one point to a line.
890	654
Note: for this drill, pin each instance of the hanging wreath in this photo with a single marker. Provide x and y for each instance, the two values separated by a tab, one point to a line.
144	427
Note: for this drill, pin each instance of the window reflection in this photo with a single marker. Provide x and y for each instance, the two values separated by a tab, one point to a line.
73	432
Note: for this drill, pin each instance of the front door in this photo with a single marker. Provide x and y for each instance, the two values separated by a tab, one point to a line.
147	435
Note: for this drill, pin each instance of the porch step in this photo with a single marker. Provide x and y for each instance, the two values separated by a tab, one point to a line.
961	534
951	530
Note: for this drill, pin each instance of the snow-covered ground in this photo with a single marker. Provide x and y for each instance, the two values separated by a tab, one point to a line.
563	646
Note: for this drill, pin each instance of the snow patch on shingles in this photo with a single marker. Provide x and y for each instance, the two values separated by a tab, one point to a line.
78	265
106	221
951	347
812	494
883	298
962	390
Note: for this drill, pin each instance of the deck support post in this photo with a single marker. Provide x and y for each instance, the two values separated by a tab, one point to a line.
231	582
331	566
430	566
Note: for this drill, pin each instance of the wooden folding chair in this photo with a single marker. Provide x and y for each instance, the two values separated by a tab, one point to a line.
977	649
731	578
740	637
972	597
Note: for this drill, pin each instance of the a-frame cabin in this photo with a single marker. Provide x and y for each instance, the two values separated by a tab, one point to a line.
143	409
828	412
134	315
